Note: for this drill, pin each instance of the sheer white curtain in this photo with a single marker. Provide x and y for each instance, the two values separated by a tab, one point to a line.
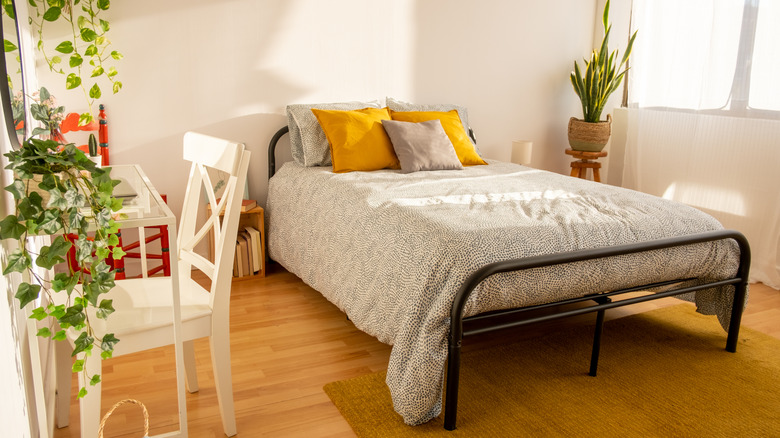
704	115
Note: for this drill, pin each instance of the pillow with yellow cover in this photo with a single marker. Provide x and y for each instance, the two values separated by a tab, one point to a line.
452	125
358	142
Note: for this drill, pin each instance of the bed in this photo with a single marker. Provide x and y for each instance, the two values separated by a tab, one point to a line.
410	256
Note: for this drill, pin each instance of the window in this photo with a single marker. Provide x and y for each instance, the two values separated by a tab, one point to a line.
714	56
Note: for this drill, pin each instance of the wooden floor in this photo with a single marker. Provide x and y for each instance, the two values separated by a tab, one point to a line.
287	342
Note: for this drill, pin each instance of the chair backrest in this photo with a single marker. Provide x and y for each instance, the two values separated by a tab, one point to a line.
218	171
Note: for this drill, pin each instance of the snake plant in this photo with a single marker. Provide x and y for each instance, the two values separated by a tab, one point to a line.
601	76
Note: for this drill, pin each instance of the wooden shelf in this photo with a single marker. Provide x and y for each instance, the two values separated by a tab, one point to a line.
254	218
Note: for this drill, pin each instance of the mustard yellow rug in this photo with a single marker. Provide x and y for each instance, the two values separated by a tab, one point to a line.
663	373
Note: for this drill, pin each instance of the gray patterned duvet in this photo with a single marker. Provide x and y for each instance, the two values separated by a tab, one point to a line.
391	250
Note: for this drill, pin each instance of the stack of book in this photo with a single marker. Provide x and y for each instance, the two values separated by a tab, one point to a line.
246	205
249	258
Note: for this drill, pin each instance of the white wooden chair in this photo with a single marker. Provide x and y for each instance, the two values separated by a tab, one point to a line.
143	316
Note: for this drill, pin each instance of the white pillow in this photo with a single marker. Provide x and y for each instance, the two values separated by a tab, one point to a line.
399	105
308	143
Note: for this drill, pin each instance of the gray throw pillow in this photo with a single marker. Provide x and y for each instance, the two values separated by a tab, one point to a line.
421	146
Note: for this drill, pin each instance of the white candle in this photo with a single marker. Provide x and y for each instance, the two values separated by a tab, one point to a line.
521	152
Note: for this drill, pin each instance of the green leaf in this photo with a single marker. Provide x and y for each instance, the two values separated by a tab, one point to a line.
74	316
108	342
10	228
116	55
97	71
112	72
17	188
94	92
17	261
82	393
78	366
27	293
72	81
9	9
103	5
54	253
44	332
94	380
64	282
104	25
106	354
30	207
85	118
55	60
57	311
88	35
91	50
60	335
74	198
39	313
52	14
83	249
82	343
9	46
64	47
117	87
51	222
104	309
57	200
75	60
117	253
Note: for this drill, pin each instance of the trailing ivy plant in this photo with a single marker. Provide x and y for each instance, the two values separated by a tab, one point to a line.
60	192
86	56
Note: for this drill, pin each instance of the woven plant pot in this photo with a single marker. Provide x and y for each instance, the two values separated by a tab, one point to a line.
589	137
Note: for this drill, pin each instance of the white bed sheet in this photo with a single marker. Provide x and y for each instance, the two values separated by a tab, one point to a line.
392	249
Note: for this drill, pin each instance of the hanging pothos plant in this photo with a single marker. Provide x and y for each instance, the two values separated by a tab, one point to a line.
85	56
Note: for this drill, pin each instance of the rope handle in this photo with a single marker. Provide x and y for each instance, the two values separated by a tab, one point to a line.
118	404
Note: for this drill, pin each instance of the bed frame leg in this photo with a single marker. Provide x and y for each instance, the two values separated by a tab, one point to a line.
451	395
740	294
736	316
594	355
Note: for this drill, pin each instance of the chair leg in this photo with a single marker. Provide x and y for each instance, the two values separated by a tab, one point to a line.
89	405
223	379
165	251
190	369
62	352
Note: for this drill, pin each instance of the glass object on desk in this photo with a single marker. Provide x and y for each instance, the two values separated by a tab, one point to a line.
139	198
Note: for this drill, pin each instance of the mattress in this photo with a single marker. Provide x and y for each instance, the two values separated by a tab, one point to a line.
392	249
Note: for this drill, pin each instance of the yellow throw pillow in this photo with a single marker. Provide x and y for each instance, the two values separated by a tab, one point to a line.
357	139
452	125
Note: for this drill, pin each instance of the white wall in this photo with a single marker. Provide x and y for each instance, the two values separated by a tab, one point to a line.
228	68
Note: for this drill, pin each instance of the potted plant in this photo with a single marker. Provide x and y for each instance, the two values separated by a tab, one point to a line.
60	192
602	77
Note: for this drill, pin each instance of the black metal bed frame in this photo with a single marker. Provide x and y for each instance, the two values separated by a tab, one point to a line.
603	301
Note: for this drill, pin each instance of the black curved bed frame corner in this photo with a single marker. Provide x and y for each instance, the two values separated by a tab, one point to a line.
272	150
603	301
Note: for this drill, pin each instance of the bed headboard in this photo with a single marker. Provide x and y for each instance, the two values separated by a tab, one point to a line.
284	130
272	150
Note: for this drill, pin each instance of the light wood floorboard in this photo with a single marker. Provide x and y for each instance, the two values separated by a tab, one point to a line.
287	341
